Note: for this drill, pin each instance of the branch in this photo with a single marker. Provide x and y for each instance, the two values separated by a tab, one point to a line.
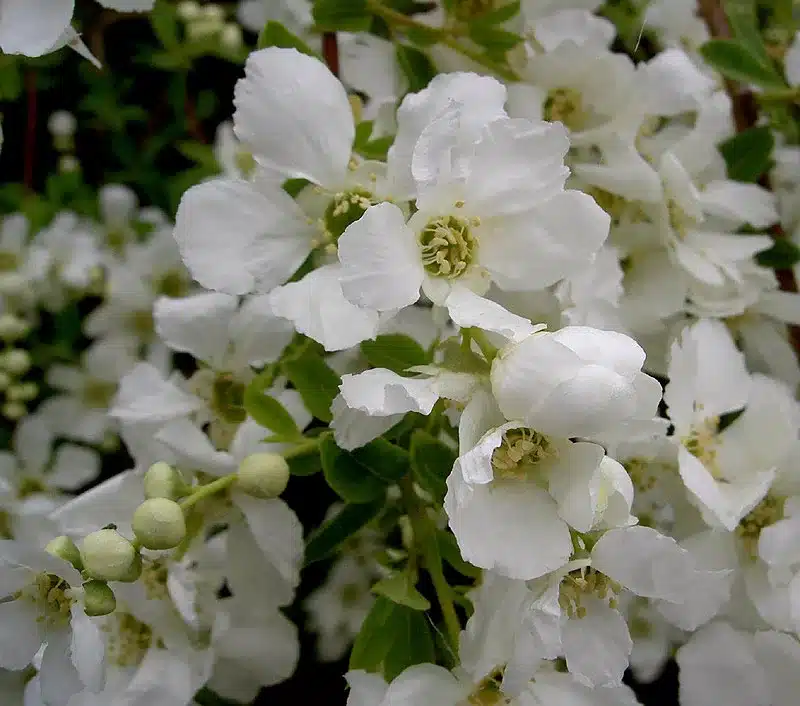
330	52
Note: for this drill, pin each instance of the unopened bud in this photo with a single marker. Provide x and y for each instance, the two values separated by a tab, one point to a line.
263	475
68	164
5	380
158	523
12	327
14	410
13	284
231	36
16	361
108	556
64	548
164	481
98	598
212	11
188	10
61	123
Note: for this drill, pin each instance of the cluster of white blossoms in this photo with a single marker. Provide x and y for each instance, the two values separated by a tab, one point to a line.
523	329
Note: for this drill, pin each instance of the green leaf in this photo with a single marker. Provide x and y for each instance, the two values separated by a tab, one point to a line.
431	462
198	153
392	638
494	40
749	154
410	7
502	14
399	588
306	463
783	254
351	480
268	412
164	21
394	351
734	60
341	15
206	697
377	149
744	25
329	536
275	34
383	459
416	67
316	383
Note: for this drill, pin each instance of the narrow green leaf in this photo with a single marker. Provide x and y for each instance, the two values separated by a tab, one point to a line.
383	459
412	644
416	67
394	351
341	15
351	480
502	14
449	551
735	61
375	637
164	20
744	25
329	536
316	383
780	256
494	40
431	462
399	588
275	34
749	154
268	412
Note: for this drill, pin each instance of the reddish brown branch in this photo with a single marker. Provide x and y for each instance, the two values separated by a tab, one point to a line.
745	115
330	51
30	129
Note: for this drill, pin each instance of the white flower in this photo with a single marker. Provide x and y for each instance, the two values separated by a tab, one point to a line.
575	382
42	605
522	231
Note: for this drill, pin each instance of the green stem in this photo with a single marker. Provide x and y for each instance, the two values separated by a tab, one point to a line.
780	95
425	539
393	17
302	448
489	351
207	490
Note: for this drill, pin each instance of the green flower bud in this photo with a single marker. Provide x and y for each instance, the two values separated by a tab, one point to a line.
135	571
22	393
12	327
16	361
5	380
98	598
164	481
64	548
108	556
158	523
14	410
263	475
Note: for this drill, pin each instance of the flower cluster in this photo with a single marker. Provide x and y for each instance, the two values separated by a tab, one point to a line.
532	321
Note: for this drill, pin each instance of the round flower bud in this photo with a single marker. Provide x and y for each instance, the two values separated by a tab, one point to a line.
16	361
188	10
68	163
263	475
158	523
231	36
14	410
13	284
98	598
12	327
135	571
164	481
108	556
64	548
61	123
27	391
5	380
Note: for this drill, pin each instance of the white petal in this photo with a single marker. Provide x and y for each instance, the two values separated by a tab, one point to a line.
382	266
779	655
128	5
494	525
258	333
353	428
475	465
576	25
33	443
467	309
33	27
277	532
197	324
425	684
381	392
597	646
718	666
741	203
73	466
777	543
295	116
87	649
58	676
365	689
19	637
318	309
677	85
145	396
237	238
552	240
194	448
482	97
792	61
574	482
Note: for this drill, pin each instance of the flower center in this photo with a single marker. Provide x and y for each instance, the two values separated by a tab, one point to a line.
141	324
52	597
346	208
154	579
29	486
702	444
127	639
448	246
679	220
766	513
245	162
8	261
97	394
520	452
565	105
172	283
227	398
585	582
